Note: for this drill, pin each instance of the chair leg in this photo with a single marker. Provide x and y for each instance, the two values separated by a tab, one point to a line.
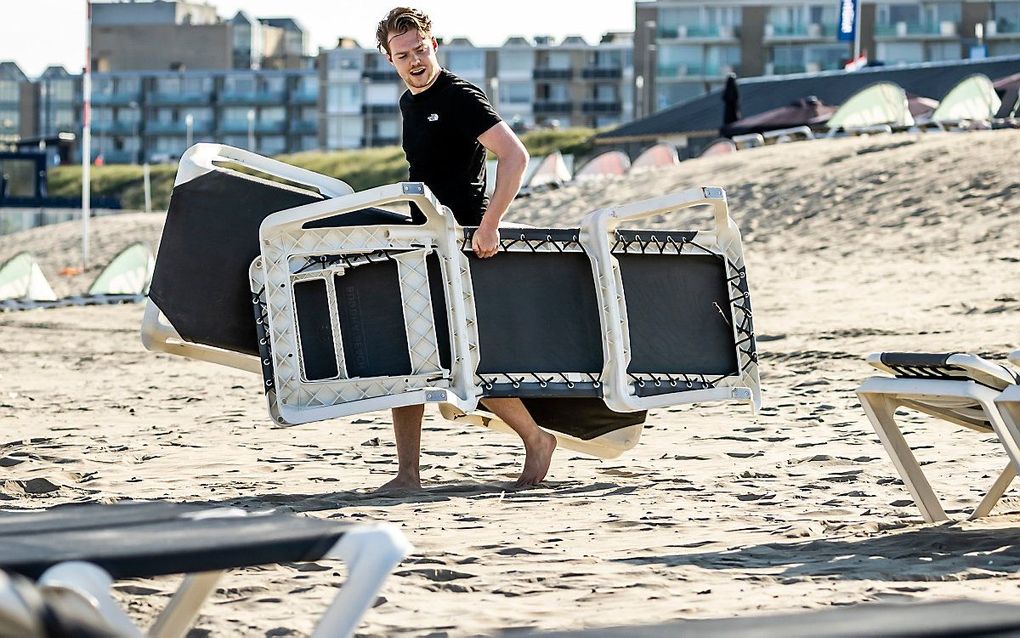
881	411
180	612
370	555
995	492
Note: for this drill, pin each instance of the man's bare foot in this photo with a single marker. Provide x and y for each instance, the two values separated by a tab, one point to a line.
400	484
538	456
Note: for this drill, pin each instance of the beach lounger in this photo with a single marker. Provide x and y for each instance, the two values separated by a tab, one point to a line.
352	308
1008	402
74	553
957	388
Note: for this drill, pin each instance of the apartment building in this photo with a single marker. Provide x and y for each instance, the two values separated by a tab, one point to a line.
16	103
531	83
155	116
146	35
685	48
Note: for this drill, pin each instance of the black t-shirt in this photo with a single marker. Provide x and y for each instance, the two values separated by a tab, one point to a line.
441	129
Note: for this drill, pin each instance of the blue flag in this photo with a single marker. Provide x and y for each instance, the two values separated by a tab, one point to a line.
847	28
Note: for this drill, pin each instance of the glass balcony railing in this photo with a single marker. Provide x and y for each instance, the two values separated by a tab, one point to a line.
252	97
601	108
693	68
112	127
798	30
541	73
177	128
303	127
180	98
304	96
601	73
904	29
547	107
1002	26
723	32
113	99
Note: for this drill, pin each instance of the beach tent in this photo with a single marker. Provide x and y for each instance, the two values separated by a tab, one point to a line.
721	146
1008	90
550	170
806	111
608	163
21	279
882	103
128	274
659	155
973	99
957	388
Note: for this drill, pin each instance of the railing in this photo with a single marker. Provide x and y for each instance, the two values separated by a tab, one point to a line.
113	127
692	69
548	108
724	32
252	97
601	73
116	99
552	74
234	126
902	29
595	107
180	98
303	127
379	109
304	97
1002	26
380	75
271	127
798	30
177	128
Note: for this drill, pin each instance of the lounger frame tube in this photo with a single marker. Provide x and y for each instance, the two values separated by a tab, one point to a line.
881	396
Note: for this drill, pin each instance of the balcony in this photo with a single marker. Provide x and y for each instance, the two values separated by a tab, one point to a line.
1002	28
798	32
113	127
165	99
601	73
380	75
699	32
379	109
300	96
695	69
271	127
252	97
116	99
177	128
303	127
233	126
925	30
601	108
552	74
552	108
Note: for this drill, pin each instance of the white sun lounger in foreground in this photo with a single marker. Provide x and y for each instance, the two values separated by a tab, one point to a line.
75	553
957	388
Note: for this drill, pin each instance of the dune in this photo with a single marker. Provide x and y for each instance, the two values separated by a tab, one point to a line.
852	246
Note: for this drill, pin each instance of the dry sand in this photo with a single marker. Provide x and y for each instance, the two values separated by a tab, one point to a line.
852	246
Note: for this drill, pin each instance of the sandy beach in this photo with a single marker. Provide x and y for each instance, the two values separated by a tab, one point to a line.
896	242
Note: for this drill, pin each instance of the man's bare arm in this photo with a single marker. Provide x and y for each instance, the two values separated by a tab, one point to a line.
511	161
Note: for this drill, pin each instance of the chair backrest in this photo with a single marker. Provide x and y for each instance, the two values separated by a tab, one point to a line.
974	98
21	278
879	104
129	273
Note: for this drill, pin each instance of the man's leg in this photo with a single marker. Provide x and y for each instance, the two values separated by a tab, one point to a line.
407	433
538	444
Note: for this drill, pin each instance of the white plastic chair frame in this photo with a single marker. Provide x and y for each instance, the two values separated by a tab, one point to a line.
598	234
969	402
371	552
157	333
287	246
1008	402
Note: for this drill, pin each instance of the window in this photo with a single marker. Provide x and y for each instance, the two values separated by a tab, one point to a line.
200	114
516	60
102	114
1006	16
788	59
235	114
196	85
680	59
892	13
64	119
515	92
9	120
62	90
676	92
128	85
273	144
273	114
558	60
168	85
671	19
8	91
828	57
239	84
344	98
606	93
720	60
1004	48
308	85
273	84
901	52
381	94
465	62
938	51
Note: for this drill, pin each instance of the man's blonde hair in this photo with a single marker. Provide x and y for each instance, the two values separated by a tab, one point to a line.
398	22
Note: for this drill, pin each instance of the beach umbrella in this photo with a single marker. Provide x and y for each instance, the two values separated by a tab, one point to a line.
731	101
807	111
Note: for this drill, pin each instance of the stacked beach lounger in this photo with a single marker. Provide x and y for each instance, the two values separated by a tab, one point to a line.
344	306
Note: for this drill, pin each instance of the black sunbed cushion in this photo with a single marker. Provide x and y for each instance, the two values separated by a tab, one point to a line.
153	539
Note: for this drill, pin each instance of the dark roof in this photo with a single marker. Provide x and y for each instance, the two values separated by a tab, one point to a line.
11	71
759	94
287	24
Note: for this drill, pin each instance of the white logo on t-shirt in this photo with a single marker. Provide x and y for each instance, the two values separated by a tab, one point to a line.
434	117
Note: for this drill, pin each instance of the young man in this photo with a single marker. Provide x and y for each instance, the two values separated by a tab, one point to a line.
448	125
